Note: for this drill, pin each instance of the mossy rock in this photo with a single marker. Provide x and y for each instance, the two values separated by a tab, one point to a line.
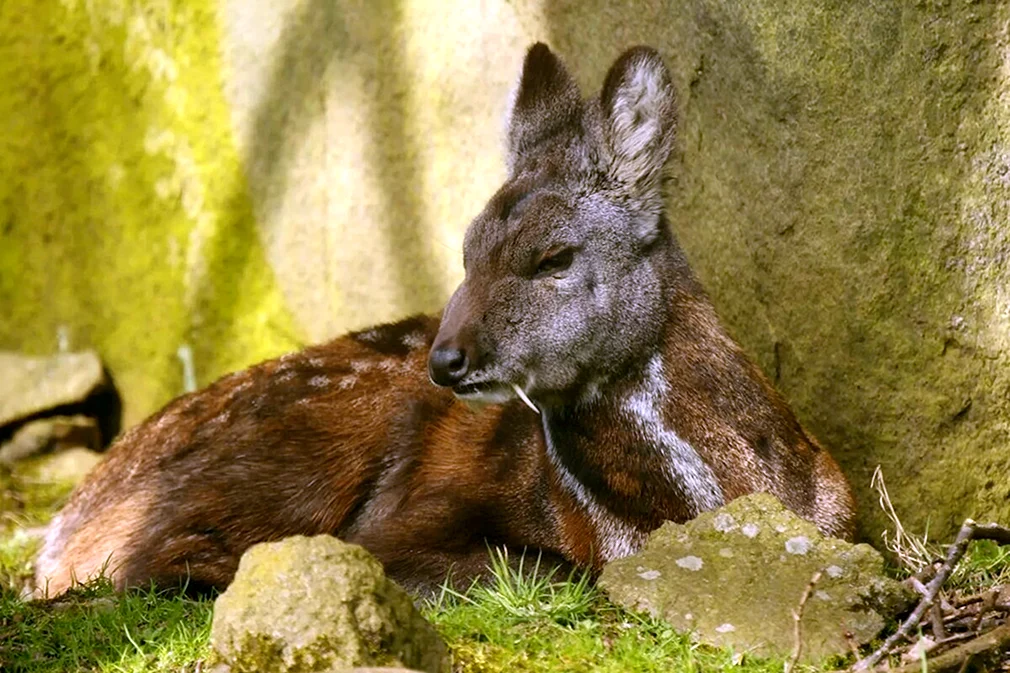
734	576
318	604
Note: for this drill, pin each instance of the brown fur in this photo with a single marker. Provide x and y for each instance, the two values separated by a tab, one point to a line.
350	438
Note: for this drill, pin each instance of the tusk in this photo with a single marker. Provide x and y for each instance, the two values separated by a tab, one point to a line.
522	395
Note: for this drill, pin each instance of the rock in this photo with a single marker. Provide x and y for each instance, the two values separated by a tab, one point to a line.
63	467
318	604
49	434
733	577
35	384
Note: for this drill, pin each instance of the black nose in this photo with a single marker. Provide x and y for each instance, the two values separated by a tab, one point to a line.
447	365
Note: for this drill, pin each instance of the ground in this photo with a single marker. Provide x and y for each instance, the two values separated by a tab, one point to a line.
515	625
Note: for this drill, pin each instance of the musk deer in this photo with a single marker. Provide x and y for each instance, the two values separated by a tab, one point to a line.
576	301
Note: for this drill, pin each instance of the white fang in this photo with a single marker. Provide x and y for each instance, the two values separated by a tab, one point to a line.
524	397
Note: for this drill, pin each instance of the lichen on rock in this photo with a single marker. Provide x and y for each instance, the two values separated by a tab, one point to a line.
733	577
318	604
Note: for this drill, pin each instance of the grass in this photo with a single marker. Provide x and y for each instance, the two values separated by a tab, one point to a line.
531	622
95	629
520	622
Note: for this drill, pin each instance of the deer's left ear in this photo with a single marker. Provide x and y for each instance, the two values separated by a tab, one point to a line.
639	106
545	100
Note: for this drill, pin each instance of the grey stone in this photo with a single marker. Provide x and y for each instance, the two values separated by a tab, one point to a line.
734	576
48	434
318	604
30	385
63	467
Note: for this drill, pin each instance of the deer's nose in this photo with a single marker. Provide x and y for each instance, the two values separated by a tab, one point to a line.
447	364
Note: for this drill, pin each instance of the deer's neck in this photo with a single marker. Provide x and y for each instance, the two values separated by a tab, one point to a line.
620	458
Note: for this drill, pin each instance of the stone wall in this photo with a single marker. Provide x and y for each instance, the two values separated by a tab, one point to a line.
242	176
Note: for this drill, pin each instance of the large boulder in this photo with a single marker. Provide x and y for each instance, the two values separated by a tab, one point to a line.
318	604
32	385
733	577
50	433
234	177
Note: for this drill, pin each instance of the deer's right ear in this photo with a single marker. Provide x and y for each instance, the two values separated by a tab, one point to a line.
545	100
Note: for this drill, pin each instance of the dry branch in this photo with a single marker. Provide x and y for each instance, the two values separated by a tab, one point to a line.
969	531
958	658
797	619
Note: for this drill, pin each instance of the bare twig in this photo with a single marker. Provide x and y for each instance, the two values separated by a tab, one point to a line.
957	658
797	618
936	619
919	587
992	531
969	531
987	605
850	640
950	640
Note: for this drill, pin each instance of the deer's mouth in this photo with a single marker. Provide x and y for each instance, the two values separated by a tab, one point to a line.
481	388
483	392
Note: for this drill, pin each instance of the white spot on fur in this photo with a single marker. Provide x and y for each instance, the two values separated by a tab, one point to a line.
834	572
798	545
317	362
750	530
165	420
371	335
244	385
683	464
692	563
359	366
414	340
725	628
320	381
221	418
388	366
650	575
616	538
347	382
286	375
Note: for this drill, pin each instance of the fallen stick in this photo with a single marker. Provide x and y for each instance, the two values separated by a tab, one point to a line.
953	660
797	618
969	531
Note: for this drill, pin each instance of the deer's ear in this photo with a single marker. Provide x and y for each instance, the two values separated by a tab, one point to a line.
639	108
545	100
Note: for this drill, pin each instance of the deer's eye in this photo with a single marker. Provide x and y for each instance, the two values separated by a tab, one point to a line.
554	262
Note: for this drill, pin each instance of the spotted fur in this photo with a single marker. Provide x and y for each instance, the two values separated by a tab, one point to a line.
577	294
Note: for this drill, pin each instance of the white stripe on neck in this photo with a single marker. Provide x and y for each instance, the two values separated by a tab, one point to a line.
682	464
615	538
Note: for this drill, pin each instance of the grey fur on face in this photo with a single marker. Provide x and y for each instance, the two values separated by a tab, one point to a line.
560	270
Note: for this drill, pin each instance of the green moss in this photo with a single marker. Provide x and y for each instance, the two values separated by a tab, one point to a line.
125	222
842	191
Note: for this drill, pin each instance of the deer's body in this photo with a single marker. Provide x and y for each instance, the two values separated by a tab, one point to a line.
576	294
